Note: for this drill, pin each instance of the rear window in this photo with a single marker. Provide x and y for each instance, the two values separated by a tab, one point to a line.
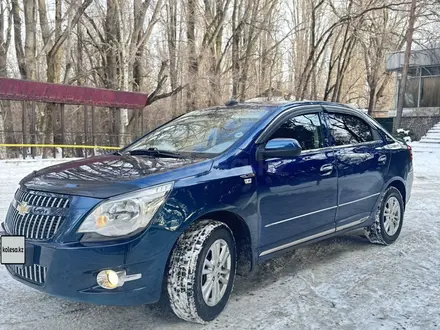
348	129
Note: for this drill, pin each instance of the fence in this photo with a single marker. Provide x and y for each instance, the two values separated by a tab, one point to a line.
81	121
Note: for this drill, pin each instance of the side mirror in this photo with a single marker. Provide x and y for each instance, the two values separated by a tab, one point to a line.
279	148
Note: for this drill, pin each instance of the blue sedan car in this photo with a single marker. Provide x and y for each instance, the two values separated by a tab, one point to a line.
212	193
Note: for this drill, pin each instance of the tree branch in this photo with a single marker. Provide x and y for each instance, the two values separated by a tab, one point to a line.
155	98
59	42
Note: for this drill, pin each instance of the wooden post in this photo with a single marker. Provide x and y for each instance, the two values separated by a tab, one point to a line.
93	129
23	127
33	129
54	123
142	121
118	126
419	93
63	129
86	128
137	131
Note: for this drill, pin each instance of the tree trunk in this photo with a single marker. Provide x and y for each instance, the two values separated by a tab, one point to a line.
58	32
371	100
18	40
54	54
6	121
218	56
5	39
236	34
80	81
213	13
403	81
172	50
30	30
139	68
193	64
250	39
112	39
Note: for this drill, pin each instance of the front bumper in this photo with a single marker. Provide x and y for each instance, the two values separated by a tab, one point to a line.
70	270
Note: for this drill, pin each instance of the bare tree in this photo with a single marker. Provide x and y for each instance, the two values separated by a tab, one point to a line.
308	49
193	64
403	80
53	43
5	35
171	28
383	32
5	41
25	55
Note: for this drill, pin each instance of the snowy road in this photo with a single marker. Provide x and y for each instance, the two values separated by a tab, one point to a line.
342	283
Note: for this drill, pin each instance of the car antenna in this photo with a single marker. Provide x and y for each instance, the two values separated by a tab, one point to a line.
231	102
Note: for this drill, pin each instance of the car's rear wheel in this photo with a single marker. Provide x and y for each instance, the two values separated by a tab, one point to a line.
389	218
202	271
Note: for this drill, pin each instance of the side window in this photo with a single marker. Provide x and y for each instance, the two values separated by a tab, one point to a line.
304	128
347	129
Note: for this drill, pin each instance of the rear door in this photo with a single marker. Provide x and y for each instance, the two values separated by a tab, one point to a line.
362	163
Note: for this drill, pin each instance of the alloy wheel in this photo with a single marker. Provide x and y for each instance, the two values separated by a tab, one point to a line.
216	272
392	216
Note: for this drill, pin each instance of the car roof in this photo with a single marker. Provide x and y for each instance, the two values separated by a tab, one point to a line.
290	104
277	105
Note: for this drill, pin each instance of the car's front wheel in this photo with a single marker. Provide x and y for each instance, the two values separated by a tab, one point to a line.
389	218
202	271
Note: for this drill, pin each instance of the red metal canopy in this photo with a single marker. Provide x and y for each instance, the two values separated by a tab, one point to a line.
26	90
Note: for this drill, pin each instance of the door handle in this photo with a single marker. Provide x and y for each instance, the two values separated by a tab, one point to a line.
382	159
327	169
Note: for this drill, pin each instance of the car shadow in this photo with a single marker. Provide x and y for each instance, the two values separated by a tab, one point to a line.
287	265
291	261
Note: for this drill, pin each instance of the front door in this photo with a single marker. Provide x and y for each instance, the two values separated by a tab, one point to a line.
362	163
297	195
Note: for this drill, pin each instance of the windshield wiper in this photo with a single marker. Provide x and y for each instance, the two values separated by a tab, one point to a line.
154	152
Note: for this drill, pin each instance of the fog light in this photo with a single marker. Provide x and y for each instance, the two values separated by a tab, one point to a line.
108	279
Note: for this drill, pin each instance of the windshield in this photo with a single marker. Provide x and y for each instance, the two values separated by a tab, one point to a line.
203	131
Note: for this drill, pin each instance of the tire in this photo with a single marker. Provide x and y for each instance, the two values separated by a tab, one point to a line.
185	279
385	231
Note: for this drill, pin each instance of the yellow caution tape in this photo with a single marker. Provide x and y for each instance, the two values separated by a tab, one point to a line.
58	146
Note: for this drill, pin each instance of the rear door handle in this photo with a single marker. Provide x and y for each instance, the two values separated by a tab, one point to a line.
327	169
382	159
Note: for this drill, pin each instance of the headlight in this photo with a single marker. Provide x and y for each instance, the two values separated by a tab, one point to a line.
125	214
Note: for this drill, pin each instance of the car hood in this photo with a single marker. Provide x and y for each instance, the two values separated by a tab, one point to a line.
110	175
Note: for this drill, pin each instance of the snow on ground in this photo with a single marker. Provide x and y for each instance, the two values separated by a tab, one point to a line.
343	283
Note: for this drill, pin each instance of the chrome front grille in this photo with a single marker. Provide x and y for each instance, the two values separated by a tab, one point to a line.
36	215
41	199
35	273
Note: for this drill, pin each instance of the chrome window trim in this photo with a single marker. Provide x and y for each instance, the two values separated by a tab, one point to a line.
301	110
360	144
309	238
330	148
